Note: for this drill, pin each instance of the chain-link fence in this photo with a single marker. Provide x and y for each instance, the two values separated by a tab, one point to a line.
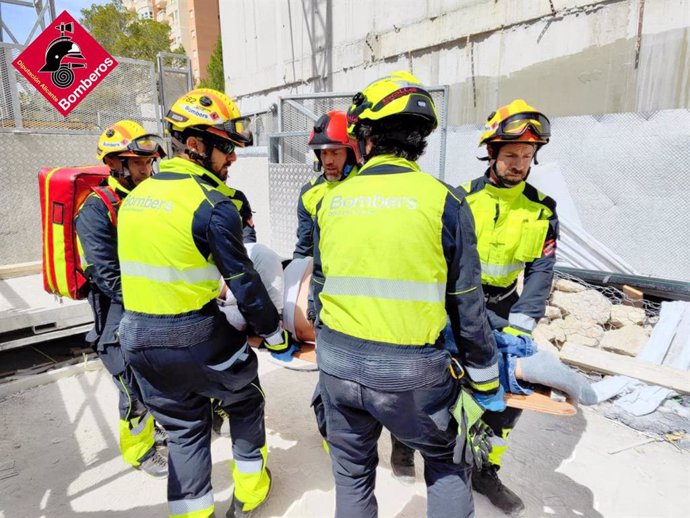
174	77
128	92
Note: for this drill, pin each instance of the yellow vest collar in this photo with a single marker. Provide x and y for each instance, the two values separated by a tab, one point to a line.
115	184
389	160
505	193
181	165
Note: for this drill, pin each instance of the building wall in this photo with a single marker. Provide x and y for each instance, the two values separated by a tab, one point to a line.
581	57
204	29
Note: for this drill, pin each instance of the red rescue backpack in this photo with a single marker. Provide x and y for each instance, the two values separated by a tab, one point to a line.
63	191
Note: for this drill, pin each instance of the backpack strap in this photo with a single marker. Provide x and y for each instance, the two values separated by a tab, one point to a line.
111	200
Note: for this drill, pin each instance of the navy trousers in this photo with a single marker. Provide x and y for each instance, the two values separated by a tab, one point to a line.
419	418
177	383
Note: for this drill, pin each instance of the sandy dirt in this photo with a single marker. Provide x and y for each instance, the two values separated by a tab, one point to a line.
59	458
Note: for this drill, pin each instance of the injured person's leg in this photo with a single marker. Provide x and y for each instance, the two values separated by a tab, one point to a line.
543	368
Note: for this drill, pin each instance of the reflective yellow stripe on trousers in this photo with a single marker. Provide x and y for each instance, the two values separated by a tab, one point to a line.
201	507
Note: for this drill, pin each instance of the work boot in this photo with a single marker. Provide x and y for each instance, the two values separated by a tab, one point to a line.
236	506
402	461
219	418
160	436
488	484
154	464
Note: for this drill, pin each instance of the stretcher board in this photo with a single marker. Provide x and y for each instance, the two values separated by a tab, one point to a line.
540	401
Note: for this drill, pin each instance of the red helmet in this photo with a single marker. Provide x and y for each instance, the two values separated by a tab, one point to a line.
330	132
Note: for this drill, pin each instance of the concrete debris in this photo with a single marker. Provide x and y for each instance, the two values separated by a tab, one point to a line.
567	286
622	315
588	305
552	312
628	340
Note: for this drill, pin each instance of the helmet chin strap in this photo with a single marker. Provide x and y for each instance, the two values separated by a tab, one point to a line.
203	158
362	148
124	174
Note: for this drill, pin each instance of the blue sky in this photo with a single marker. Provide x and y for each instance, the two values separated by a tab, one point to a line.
21	19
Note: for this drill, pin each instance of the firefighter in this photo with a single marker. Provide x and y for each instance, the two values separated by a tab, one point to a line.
509	211
336	153
129	151
394	257
517	229
177	236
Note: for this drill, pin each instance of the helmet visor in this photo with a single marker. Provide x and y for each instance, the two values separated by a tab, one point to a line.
147	145
516	125
239	130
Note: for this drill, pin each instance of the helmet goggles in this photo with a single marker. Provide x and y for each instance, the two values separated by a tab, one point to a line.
146	145
235	130
515	126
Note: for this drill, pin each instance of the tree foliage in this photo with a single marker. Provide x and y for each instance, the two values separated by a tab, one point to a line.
215	77
123	33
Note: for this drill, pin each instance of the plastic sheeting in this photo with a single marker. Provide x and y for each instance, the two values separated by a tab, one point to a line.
621	175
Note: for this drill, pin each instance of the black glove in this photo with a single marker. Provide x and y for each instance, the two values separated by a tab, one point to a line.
311	315
473	443
480	443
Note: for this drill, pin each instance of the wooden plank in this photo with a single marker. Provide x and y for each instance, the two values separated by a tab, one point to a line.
634	297
610	363
20	269
540	401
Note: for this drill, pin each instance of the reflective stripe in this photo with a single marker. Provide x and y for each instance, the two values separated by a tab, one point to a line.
276	338
181	507
249	466
143	420
168	273
385	289
521	320
239	355
500	270
482	375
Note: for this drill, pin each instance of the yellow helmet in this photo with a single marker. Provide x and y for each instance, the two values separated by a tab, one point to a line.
204	110
399	93
517	122
127	138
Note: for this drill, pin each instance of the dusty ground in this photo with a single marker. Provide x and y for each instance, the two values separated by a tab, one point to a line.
59	458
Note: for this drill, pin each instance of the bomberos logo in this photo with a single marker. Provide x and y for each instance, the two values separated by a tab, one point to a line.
64	63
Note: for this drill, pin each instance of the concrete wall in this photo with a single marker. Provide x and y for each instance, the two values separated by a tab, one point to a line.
567	57
23	155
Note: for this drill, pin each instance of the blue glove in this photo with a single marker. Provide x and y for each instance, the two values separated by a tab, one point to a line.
519	345
285	356
494	402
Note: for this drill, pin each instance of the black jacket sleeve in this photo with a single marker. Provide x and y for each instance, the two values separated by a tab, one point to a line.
464	295
531	306
224	234
305	229
248	230
98	238
317	277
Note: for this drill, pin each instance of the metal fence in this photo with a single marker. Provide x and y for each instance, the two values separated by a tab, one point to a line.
291	161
